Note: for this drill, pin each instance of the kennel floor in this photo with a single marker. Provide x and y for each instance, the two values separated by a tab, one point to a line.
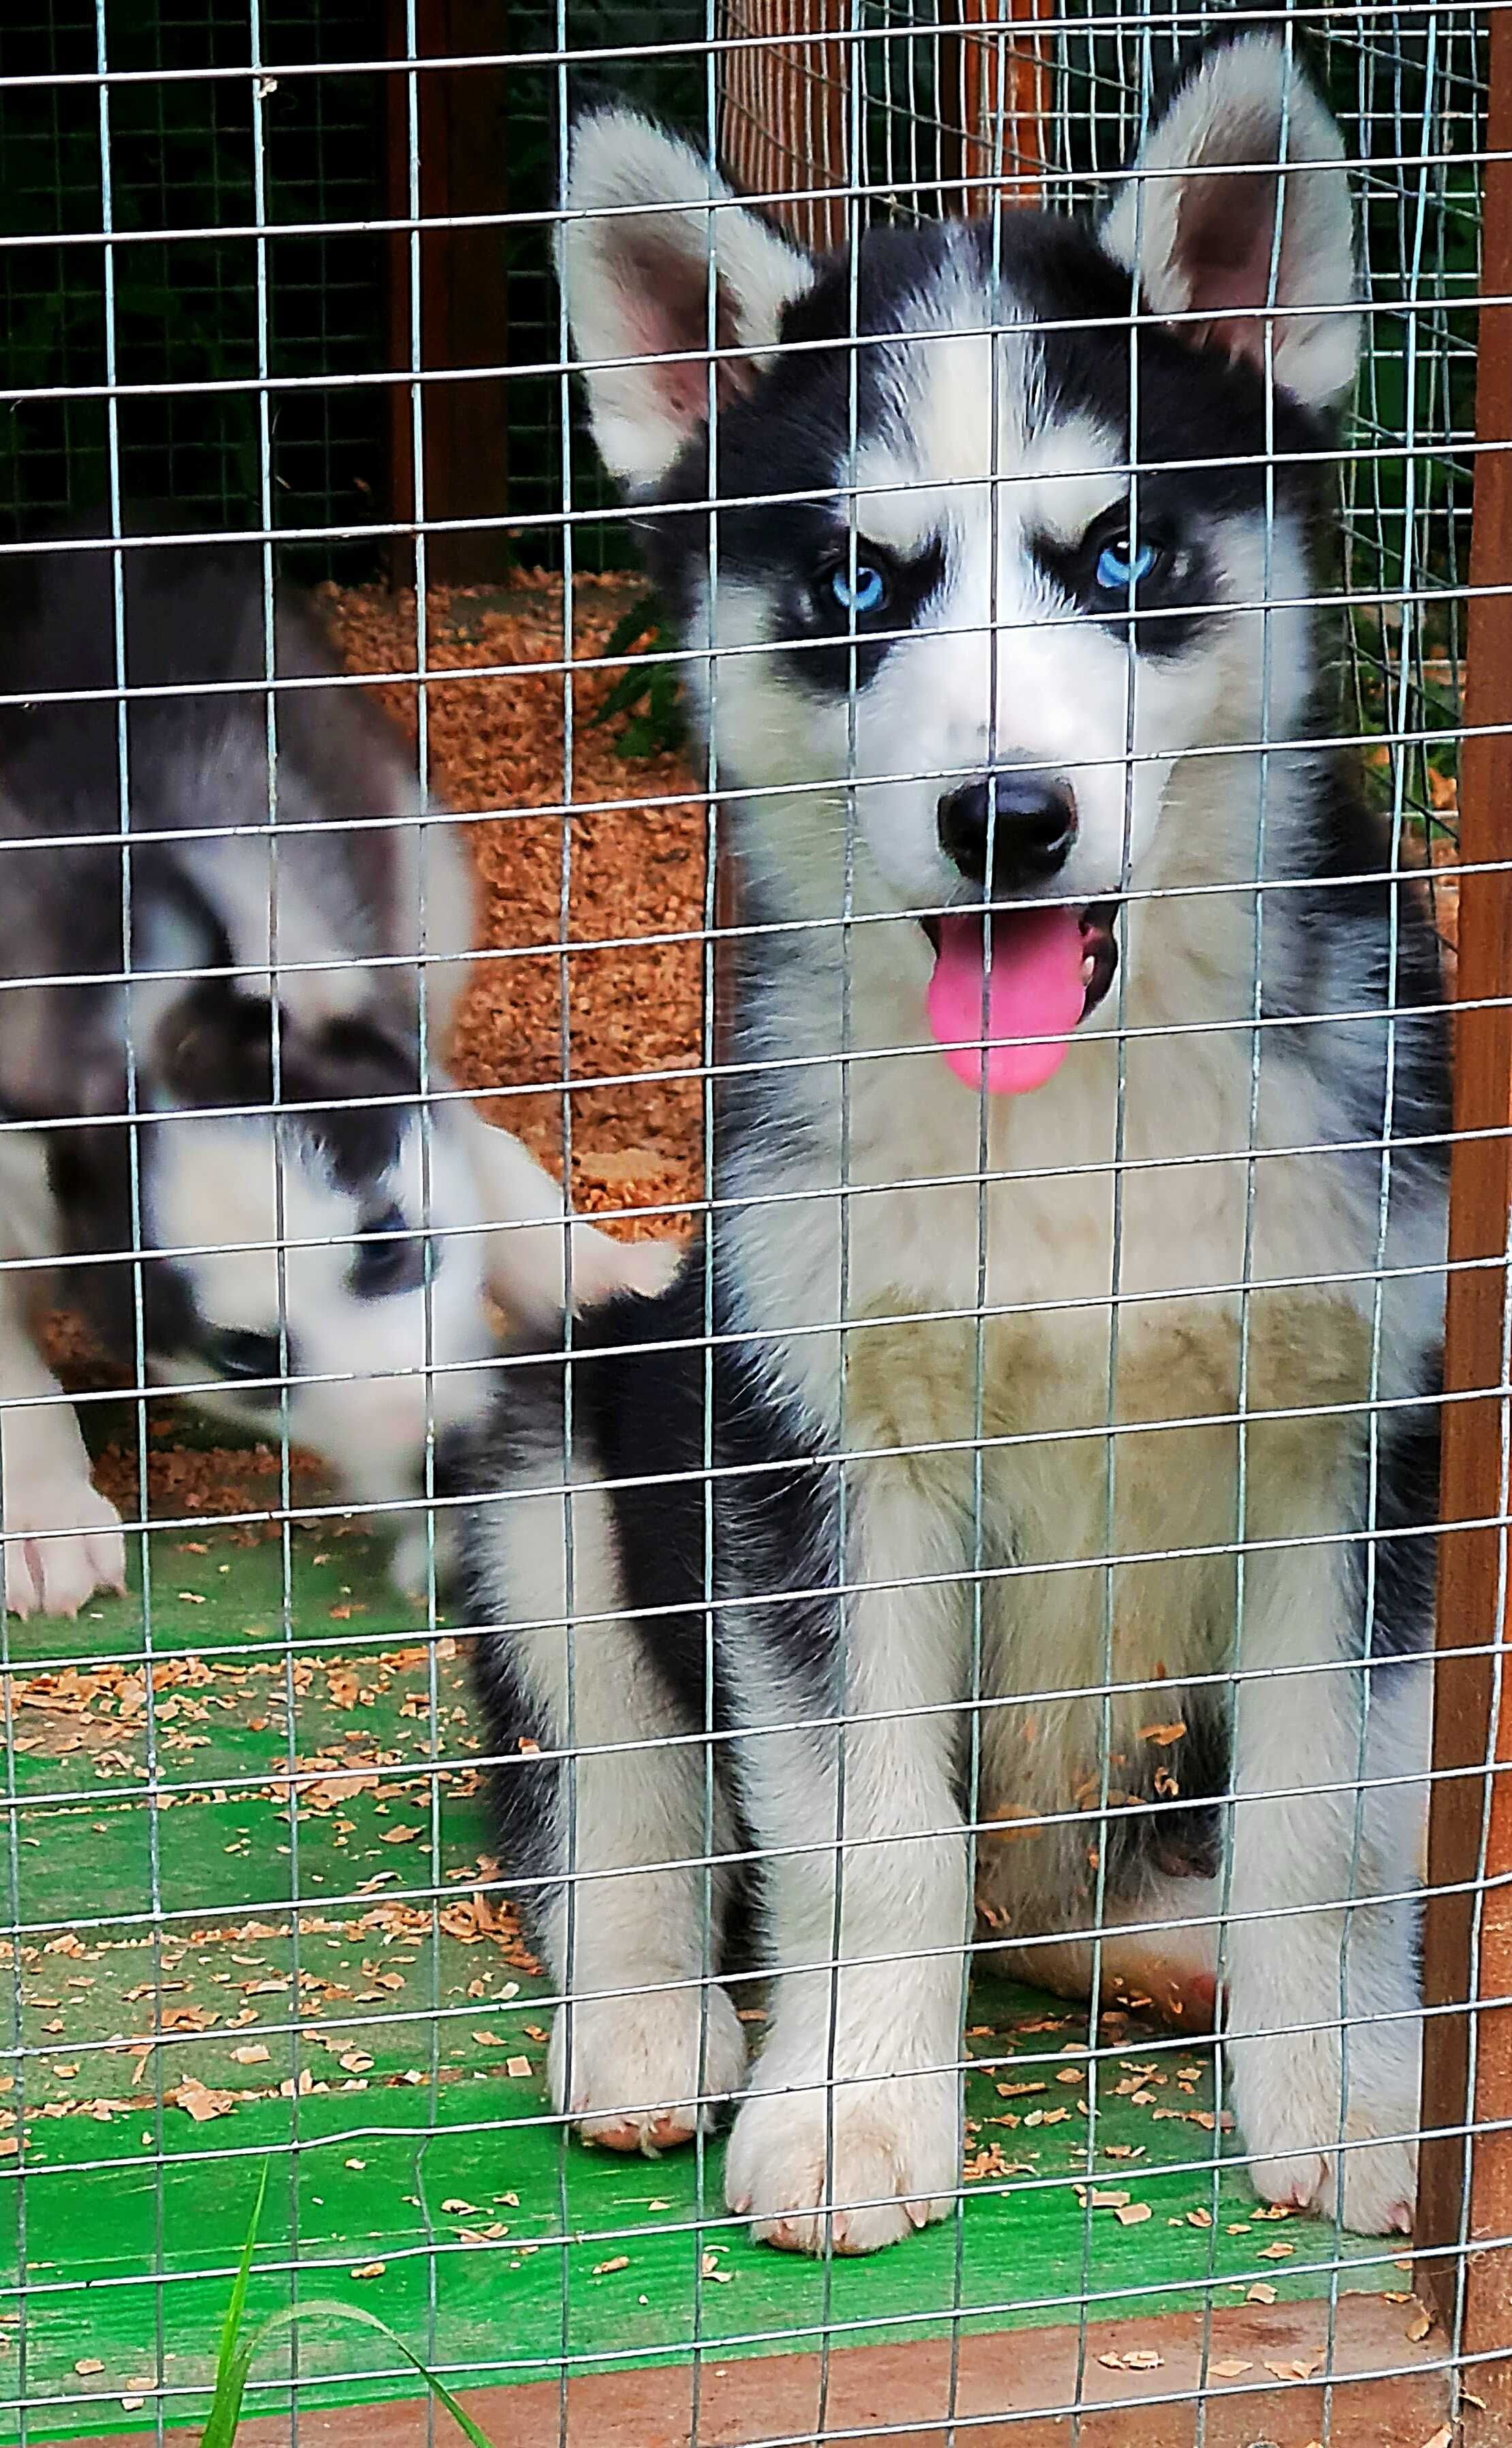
327	1998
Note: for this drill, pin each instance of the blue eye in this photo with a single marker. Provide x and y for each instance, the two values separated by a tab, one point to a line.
1117	571
867	594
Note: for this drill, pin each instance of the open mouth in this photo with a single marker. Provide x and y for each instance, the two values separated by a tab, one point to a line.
1006	1021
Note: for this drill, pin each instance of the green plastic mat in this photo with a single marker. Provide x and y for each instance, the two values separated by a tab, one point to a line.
378	2045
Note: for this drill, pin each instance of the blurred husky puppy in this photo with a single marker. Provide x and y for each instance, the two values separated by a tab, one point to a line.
265	977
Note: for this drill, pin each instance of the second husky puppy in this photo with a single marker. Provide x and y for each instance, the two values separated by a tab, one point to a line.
322	1214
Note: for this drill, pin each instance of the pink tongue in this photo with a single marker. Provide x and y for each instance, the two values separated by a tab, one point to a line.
1034	998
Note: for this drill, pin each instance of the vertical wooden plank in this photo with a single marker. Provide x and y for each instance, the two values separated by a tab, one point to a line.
463	316
1469	1745
783	112
995	86
783	135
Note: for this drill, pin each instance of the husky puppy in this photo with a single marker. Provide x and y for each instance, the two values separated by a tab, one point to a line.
1065	1463
249	979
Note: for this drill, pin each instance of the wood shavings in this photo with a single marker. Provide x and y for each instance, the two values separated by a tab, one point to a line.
199	2102
637	880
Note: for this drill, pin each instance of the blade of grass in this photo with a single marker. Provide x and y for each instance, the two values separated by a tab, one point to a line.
438	2388
642	619
332	2308
234	2359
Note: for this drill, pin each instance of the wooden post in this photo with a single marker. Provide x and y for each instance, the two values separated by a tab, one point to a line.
995	82
782	119
463	320
1473	1723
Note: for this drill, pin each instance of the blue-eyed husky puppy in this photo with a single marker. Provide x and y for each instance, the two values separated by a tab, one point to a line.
955	659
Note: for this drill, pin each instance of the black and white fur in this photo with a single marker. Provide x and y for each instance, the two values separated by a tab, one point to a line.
988	467
319	1217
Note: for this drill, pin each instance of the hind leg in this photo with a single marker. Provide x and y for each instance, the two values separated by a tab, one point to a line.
1321	1974
1157	1953
609	1818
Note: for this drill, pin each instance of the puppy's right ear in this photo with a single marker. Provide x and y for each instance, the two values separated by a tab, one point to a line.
648	227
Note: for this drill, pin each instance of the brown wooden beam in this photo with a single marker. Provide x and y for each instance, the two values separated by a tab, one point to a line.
783	116
463	154
995	91
1385	2391
1472	1737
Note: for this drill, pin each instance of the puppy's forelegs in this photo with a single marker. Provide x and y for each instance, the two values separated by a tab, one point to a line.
646	2044
539	1247
61	1537
1321	1980
851	2135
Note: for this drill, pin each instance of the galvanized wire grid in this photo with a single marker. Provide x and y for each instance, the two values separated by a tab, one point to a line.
835	112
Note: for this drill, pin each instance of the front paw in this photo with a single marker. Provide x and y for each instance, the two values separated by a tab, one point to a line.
647	2071
1289	2107
849	2169
416	1552
57	1575
602	1266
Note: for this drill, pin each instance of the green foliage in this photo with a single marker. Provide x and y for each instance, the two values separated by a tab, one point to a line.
183	310
649	693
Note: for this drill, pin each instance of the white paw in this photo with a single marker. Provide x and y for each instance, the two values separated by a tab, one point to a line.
644	2074
55	1576
1290	2116
885	2159
409	1563
1380	2179
601	1265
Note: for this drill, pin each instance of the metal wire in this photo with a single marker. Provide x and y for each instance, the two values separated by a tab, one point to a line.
261	321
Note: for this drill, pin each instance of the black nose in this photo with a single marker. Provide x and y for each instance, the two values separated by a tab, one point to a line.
1033	826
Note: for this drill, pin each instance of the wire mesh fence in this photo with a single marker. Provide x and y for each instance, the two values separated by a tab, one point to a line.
726	940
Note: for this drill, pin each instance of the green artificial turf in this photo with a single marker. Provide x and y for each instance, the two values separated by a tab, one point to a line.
322	1995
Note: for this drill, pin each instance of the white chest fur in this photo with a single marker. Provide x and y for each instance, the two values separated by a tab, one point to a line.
1036	1333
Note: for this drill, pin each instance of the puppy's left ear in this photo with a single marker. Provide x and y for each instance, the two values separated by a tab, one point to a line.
1247	142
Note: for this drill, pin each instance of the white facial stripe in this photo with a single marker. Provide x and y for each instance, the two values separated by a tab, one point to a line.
920	479
206	1173
1075	474
892	508
953	418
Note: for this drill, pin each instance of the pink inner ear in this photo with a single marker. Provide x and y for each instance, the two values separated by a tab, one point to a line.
666	309
1225	237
